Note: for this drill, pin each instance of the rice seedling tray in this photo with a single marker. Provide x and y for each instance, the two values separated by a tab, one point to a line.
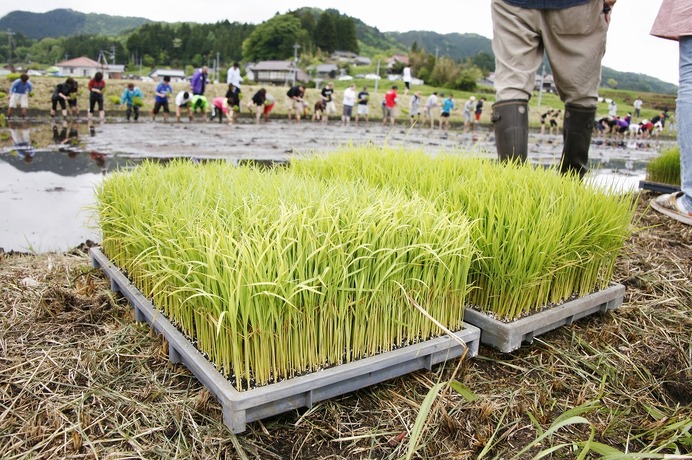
658	187
242	407
508	336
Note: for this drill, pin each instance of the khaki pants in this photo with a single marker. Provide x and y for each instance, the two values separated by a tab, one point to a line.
574	39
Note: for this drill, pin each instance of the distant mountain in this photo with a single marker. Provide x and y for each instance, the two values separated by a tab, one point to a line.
455	46
462	46
65	22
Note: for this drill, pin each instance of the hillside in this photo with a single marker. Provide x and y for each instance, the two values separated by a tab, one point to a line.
462	46
456	46
65	22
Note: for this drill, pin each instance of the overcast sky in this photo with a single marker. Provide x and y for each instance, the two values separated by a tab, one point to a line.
630	47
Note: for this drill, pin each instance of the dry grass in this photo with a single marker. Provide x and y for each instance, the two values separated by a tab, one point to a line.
80	379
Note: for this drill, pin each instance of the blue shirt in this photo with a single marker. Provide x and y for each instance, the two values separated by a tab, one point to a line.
128	96
19	87
546	4
447	105
165	89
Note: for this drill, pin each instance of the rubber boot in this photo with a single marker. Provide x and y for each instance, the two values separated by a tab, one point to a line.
576	133
511	122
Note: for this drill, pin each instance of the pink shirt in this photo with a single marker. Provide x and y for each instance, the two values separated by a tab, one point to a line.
674	20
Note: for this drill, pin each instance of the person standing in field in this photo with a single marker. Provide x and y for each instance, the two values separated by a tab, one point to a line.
406	77
327	94
414	108
96	86
637	107
447	107
479	111
198	82
390	100
431	105
573	34
233	77
19	95
349	102
469	109
363	99
674	22
163	91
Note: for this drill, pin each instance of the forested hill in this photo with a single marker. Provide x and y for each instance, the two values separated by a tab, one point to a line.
456	46
65	22
178	44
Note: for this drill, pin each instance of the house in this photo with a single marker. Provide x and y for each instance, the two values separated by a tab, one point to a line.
176	75
397	58
362	60
326	71
86	67
275	73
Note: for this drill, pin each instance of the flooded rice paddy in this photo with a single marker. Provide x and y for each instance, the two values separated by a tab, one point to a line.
48	171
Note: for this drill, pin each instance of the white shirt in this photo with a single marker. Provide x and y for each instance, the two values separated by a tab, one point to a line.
180	98
234	76
407	74
349	96
431	102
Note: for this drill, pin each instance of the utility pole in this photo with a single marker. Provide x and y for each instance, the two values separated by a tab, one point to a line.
9	47
295	61
377	72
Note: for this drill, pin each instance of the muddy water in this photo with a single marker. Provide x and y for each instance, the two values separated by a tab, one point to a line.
48	172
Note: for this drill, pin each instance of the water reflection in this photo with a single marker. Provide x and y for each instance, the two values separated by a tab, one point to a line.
48	175
47	185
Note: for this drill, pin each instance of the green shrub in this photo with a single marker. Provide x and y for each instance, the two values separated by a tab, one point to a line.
665	168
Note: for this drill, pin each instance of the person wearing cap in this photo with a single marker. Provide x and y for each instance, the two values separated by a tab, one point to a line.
573	35
469	109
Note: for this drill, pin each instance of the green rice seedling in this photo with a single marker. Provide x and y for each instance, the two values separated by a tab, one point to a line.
541	237
665	168
275	274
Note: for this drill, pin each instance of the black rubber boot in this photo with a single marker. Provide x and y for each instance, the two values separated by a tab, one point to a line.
576	133
511	122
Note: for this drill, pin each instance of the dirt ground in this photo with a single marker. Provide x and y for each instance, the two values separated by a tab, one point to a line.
79	378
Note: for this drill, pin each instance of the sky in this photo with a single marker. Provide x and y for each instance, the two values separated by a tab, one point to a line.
630	47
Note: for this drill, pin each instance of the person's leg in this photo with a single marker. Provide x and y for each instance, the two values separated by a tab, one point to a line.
575	41
136	111
518	52
128	112
102	113
166	111
684	116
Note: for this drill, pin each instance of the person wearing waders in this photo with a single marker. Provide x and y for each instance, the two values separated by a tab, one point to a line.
573	35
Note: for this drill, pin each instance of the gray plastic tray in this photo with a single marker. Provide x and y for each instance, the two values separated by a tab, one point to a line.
241	407
507	337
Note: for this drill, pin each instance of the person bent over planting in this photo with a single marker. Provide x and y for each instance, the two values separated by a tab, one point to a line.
132	97
522	31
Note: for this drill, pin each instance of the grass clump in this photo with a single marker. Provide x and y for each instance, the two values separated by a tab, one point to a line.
541	238
665	168
275	274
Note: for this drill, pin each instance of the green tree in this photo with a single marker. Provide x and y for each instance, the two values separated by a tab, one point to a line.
326	36
484	61
274	39
346	34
